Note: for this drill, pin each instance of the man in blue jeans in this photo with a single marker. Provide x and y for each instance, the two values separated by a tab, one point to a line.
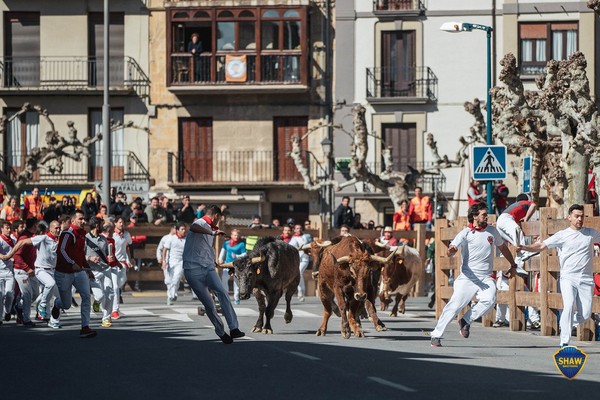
199	270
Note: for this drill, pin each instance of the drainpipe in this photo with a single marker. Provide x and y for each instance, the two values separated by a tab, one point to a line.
328	102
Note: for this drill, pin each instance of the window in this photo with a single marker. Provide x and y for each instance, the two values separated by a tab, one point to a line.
117	144
116	31
541	42
22	49
402	138
195	150
271	44
398	61
22	135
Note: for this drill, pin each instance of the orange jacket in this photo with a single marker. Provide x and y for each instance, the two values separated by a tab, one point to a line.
401	221
420	209
32	208
11	214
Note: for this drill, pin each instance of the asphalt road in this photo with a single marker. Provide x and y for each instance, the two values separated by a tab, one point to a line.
169	352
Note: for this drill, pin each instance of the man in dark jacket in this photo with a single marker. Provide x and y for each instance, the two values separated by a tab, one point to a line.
343	215
185	212
195	47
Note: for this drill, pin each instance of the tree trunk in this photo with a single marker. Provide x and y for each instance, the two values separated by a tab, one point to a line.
577	169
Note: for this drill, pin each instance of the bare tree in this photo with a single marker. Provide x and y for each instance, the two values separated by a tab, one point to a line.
50	157
394	184
557	126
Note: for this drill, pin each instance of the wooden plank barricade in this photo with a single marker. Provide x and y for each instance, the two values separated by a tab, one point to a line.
548	300
155	233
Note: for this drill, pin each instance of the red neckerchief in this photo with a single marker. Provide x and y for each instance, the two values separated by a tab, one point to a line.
233	242
209	221
51	236
178	237
8	240
297	234
286	238
478	228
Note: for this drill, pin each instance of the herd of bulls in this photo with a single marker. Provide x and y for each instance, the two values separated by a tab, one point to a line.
351	275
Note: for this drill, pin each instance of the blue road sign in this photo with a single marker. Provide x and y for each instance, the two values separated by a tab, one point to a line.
489	162
527	174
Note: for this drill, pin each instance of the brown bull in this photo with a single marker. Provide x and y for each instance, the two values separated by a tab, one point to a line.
345	272
399	277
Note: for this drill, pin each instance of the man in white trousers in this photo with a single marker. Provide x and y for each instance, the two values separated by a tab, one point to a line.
24	268
7	277
45	263
119	274
199	264
298	240
172	261
99	257
576	245
477	244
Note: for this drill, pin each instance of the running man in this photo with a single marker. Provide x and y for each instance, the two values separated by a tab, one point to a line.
476	243
199	269
99	256
172	261
576	245
7	277
72	269
24	267
119	274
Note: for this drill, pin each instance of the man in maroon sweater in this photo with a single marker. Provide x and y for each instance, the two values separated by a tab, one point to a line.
72	269
24	267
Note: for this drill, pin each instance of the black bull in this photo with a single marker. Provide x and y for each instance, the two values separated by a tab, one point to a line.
270	270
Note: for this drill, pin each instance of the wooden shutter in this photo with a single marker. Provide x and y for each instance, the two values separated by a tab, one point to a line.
22	49
403	140
195	150
117	48
398	64
285	129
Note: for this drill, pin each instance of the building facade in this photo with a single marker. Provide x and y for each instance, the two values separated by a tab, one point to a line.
52	57
232	83
414	78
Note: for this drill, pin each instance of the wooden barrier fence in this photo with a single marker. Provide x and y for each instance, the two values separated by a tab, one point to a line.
548	300
154	233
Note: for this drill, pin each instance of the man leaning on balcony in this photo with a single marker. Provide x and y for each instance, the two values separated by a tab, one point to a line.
195	47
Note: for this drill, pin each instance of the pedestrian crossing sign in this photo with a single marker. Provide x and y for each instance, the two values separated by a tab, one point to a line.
489	162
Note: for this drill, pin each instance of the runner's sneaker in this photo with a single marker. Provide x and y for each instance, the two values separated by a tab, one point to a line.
115	315
436	342
7	317
42	312
86	332
226	339
536	325
29	324
499	324
106	324
465	328
54	324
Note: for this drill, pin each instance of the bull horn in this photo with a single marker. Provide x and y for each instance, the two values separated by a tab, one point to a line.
385	260
305	247
256	260
378	243
342	260
326	243
225	265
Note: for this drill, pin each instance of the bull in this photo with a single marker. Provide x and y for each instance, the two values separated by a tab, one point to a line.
399	277
345	272
269	271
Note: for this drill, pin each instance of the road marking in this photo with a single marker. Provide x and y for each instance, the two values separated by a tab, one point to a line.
307	356
300	313
391	384
176	317
131	312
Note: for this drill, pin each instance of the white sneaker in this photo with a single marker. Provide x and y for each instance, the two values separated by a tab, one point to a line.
301	299
169	301
54	324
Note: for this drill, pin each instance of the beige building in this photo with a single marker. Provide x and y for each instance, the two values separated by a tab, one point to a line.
52	56
232	83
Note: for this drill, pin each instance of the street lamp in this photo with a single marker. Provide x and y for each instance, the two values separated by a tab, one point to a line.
327	146
456	27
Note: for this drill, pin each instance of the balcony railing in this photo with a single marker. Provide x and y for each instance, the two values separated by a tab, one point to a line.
407	82
126	166
533	69
240	166
71	73
209	69
398	6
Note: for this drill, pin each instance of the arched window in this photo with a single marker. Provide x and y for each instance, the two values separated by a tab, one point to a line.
202	14
225	14
270	14
291	14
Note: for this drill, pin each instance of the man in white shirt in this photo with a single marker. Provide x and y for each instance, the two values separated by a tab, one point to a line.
576	249
476	243
298	241
119	274
159	252
199	269
45	264
172	261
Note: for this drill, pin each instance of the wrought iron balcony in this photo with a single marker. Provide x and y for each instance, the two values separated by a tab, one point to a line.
240	166
71	74
400	85
398	7
126	166
263	69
